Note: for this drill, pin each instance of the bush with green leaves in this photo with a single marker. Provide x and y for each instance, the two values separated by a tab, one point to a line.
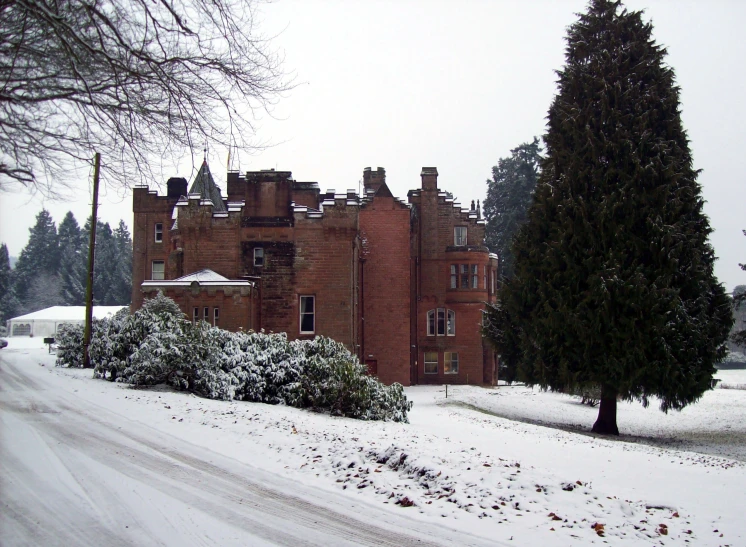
334	379
158	345
106	350
69	340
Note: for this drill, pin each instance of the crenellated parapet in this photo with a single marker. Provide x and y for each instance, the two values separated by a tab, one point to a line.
195	209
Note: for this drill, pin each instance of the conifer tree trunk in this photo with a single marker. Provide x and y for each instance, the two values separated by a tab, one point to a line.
606	422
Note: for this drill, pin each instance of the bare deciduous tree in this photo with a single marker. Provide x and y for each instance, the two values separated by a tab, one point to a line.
131	79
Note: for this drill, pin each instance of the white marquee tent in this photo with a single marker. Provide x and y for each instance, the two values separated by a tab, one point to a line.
46	322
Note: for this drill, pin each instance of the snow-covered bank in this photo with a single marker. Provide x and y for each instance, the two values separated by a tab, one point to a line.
467	470
714	425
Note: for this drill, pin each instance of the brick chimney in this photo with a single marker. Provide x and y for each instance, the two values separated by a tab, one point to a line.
176	187
372	180
429	178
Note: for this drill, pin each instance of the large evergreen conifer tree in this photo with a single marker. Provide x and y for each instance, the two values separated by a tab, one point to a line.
122	289
9	304
39	257
614	283
73	260
739	304
105	259
508	198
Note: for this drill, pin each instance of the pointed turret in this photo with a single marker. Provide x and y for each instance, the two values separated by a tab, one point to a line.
205	186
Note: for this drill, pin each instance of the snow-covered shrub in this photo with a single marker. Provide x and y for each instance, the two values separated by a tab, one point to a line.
323	347
266	367
203	363
142	348
107	351
241	364
334	380
157	348
69	340
157	344
364	397
282	370
162	305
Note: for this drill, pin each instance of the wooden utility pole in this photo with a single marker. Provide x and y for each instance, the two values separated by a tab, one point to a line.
91	254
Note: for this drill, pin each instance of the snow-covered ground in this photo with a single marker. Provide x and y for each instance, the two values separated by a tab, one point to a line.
461	464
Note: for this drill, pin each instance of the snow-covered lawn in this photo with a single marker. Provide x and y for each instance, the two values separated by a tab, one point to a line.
715	425
461	464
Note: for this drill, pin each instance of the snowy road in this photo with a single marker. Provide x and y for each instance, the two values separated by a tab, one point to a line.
73	472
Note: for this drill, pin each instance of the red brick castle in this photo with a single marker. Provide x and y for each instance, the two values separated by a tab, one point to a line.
402	285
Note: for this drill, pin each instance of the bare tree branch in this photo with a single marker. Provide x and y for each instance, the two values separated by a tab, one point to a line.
131	79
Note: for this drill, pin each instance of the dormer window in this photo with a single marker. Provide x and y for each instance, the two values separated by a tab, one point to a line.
258	257
459	236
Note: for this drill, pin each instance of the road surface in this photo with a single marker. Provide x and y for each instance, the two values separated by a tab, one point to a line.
74	473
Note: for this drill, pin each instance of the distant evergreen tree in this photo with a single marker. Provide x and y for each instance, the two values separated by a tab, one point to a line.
73	276
73	261
738	333
53	267
508	198
614	283
5	271
739	305
9	304
122	282
104	261
112	269
40	256
44	292
68	233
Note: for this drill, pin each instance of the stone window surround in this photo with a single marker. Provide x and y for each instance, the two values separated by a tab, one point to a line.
459	235
450	362
428	361
441	322
306	315
158	270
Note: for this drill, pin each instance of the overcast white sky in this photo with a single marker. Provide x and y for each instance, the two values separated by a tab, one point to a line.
456	85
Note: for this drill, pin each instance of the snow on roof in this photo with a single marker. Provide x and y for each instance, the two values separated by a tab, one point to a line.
203	275
68	313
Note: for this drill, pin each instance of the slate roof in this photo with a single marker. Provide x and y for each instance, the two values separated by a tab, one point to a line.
383	191
205	186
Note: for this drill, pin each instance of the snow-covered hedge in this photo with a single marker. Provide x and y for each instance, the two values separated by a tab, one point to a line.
157	344
69	340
